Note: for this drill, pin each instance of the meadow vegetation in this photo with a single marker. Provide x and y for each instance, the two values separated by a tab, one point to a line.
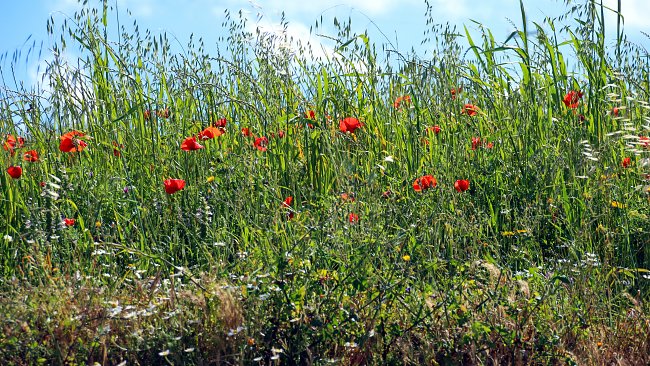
256	202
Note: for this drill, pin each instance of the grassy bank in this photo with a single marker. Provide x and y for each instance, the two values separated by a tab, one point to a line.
251	204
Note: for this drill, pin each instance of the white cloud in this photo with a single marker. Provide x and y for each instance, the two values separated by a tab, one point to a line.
62	6
139	8
377	7
458	11
313	9
635	12
36	70
74	80
296	32
451	10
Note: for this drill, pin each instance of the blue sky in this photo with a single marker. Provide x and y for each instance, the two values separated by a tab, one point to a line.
401	20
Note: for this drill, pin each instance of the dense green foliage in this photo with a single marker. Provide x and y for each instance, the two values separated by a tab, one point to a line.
541	259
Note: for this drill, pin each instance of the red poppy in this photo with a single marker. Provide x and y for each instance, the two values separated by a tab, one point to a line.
353	218
31	156
165	113
424	182
246	131
15	171
310	114
287	202
190	144
13	143
435	129
69	222
287	205
9	144
644	141
572	99
211	132
146	114
116	149
403	100
221	123
626	162
616	111
347	197
174	185
70	143
280	134
470	109
455	91
489	145
349	124
476	142
461	185
261	143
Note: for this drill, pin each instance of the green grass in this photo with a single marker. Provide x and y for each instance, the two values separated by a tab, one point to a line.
543	260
